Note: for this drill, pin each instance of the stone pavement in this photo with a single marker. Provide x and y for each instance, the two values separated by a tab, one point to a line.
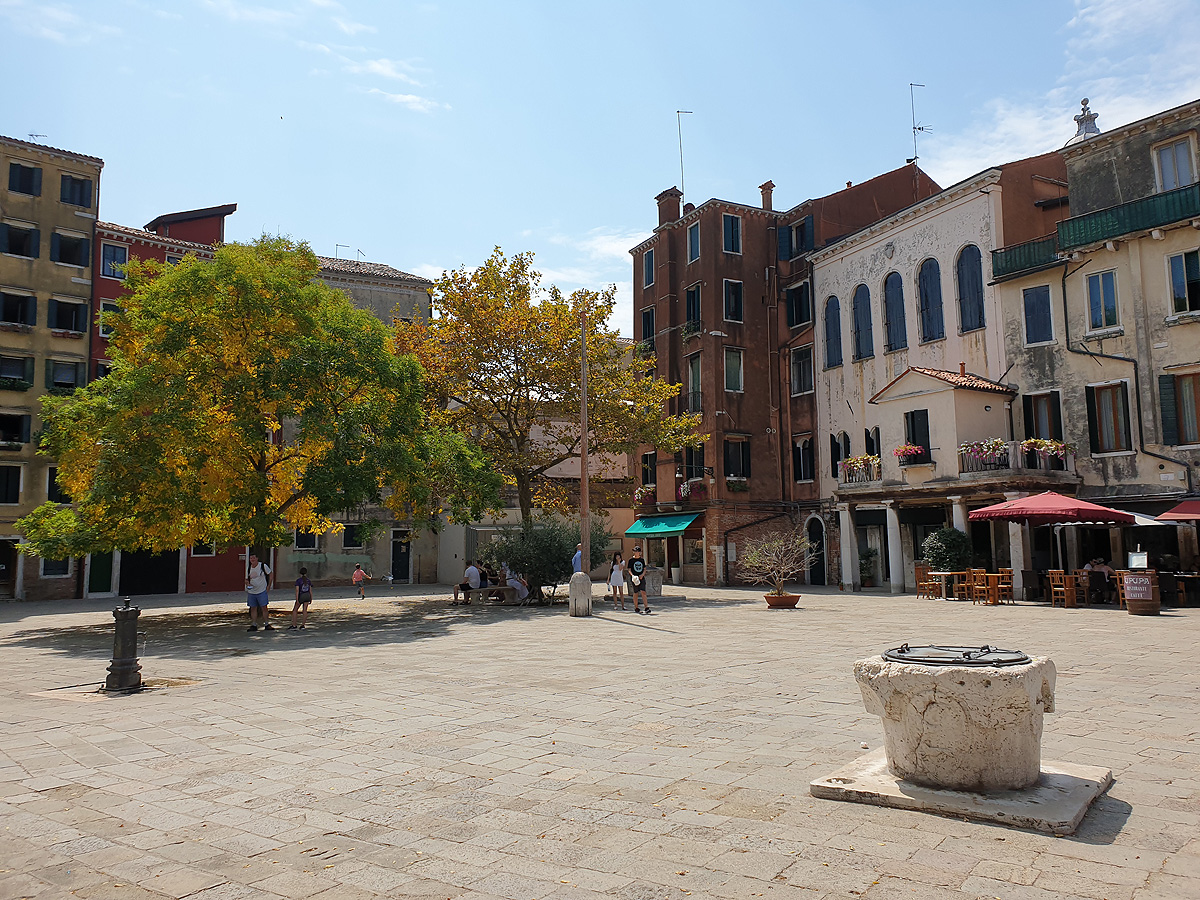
403	748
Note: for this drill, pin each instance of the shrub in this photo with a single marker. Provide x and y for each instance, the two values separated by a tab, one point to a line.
541	550
947	550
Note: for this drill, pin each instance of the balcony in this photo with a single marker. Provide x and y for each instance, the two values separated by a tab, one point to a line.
1137	215
1009	458
690	329
691	402
1024	257
644	349
860	470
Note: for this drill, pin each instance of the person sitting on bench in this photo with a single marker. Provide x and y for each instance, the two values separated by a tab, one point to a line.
472	579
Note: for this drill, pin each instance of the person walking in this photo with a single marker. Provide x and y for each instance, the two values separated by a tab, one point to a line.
359	578
256	591
303	599
617	580
577	559
637	573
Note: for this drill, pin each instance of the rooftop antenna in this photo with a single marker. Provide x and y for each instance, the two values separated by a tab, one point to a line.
679	127
337	247
34	137
916	126
360	254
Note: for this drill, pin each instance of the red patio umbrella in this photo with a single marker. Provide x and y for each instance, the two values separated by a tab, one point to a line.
1050	508
1187	511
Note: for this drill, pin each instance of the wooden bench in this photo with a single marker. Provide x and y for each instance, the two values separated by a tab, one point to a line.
509	594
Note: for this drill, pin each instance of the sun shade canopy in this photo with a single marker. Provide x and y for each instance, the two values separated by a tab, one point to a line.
1050	508
1187	511
661	526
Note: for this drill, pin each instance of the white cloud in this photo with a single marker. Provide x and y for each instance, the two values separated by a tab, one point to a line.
353	27
236	11
326	4
426	270
410	101
52	22
387	68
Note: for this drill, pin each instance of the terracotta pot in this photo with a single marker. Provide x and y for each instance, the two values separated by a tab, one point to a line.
782	601
1143	607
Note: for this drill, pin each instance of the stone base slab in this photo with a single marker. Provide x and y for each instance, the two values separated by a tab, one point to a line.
1056	804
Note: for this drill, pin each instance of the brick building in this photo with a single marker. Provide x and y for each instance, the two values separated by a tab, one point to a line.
723	303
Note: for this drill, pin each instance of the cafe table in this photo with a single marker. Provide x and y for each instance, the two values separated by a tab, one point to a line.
948	594
993	580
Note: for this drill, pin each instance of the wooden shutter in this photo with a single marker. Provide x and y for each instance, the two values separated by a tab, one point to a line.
784	233
921	423
834	452
14	177
1056	428
35	241
55	247
806	311
1167	406
3	238
85	252
807	238
1093	424
30	310
745	450
1027	412
25	428
28	374
49	374
37	181
1128	445
86	193
80	374
52	314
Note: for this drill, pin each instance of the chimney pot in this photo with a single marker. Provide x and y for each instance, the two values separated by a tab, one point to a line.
668	205
767	187
849	184
688	207
962	368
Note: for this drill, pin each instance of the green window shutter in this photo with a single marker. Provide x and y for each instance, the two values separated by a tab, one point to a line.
52	314
745	459
30	310
64	189
86	252
1027	413
37	181
28	376
80	374
3	238
49	374
1056	429
55	246
86	193
834	451
14	177
1093	424
1167	406
35	238
25	428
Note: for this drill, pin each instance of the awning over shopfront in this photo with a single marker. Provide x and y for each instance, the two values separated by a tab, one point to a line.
661	526
1050	508
1187	511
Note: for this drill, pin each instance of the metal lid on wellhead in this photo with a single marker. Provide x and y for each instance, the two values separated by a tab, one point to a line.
931	655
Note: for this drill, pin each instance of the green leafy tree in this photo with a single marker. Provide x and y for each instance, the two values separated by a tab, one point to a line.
502	358
246	399
541	549
947	550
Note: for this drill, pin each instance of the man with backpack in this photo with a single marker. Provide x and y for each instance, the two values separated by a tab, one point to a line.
256	591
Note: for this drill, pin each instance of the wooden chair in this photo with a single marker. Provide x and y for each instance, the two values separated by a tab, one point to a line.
1058	586
1083	586
1006	586
979	586
928	586
962	586
1121	573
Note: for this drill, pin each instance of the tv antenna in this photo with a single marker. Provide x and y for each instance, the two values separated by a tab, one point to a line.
916	126
337	247
679	127
34	137
360	254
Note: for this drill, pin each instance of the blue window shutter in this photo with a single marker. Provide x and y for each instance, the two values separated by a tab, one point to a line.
25	429
30	310
86	193
1167	406
784	233
64	189
52	314
28	376
55	246
35	238
14	177
86	252
37	181
49	374
806	312
1093	423
3	238
809	239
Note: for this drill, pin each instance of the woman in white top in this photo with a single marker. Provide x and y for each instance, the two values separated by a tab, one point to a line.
617	580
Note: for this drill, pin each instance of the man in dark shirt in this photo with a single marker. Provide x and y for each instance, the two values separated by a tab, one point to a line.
637	575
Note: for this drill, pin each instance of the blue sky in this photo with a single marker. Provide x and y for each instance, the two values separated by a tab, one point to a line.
423	134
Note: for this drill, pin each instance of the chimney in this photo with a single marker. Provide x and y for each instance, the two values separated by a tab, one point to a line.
962	368
767	187
668	206
688	207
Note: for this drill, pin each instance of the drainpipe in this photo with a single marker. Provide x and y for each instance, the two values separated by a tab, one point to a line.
1137	380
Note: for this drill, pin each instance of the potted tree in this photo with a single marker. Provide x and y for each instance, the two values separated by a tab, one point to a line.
866	566
773	559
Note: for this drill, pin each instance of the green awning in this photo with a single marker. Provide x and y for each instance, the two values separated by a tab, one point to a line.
661	526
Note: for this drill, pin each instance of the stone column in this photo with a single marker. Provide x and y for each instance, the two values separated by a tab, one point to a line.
959	509
895	548
849	545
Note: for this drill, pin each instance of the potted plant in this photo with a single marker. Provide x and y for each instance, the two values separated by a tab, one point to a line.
1047	447
866	465
947	550
692	490
645	495
866	566
907	454
773	559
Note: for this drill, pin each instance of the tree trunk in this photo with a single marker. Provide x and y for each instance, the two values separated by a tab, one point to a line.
525	496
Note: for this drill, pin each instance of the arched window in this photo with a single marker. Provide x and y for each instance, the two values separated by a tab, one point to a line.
970	289
839	449
893	311
929	287
833	333
864	340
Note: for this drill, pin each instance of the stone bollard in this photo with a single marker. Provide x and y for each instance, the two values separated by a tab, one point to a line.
125	672
654	582
579	594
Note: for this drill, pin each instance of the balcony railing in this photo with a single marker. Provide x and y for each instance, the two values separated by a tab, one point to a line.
1022	257
690	329
644	349
691	402
1137	215
1013	460
862	473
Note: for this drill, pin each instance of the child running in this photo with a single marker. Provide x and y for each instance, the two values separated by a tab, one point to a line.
359	579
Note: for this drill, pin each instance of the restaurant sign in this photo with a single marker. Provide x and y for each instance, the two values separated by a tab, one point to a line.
1139	587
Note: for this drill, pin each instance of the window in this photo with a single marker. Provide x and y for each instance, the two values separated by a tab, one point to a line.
24	179
691	397
304	541
893	312
14	429
67	316
970	289
10	484
648	268
1174	164
733	369
1185	282
107	309
731	233
20	240
648	328
839	449
1108	418
693	303
864	341
56	568
54	493
833	333
1039	327
1102	300
70	249
204	549
16	369
103	368
916	431
1179	402
76	191
803	460
65	376
173	260
929	289
802	370
733	301
353	536
871	445
799	305
649	468
737	457
112	256
693	242
693	462
18	309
